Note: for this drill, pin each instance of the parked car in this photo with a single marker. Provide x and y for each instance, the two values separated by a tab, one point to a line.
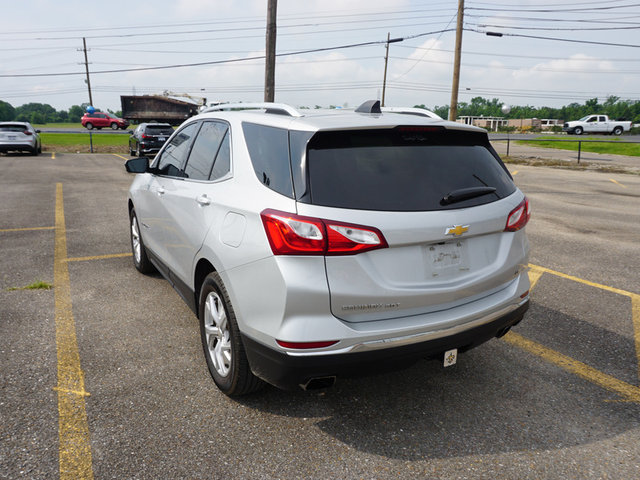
19	136
320	244
148	138
596	124
100	119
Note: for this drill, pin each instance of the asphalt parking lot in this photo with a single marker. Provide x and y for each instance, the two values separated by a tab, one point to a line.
103	375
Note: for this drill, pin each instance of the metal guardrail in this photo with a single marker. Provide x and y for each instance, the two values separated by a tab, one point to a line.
579	142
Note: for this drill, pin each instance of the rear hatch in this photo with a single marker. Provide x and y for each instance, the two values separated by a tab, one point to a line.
156	135
15	134
441	200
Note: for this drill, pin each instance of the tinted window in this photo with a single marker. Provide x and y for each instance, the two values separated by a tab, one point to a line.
205	149
404	169
175	153
158	130
222	165
269	151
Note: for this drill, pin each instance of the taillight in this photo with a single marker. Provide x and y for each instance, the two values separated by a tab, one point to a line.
27	132
291	234
518	217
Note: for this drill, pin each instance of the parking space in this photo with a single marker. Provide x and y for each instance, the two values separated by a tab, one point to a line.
103	376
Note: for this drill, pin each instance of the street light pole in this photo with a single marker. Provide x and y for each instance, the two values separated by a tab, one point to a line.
453	108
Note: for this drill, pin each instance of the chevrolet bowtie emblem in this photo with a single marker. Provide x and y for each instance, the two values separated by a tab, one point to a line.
456	230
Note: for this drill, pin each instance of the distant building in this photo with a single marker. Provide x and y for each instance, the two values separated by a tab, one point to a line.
494	123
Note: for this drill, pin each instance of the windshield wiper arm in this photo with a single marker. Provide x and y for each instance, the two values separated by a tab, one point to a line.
465	194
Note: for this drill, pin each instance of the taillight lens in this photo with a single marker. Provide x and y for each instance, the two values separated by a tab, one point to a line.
27	132
306	345
518	217
291	234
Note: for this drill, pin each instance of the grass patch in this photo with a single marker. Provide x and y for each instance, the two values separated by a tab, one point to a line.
541	162
37	285
79	142
596	145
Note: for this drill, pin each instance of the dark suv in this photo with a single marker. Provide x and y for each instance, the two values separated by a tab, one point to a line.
101	119
149	138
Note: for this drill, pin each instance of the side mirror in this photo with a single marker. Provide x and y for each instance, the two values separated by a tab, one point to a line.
137	165
37	131
130	132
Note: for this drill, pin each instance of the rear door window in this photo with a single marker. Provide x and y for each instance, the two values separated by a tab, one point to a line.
402	169
205	150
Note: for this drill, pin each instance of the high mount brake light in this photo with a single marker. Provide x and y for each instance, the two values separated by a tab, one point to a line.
291	234
518	217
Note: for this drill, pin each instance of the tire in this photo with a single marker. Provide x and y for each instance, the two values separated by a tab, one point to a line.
221	342
89	126
114	126
140	259
617	130
39	149
578	130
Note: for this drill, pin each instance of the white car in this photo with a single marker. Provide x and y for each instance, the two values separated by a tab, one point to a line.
19	137
324	244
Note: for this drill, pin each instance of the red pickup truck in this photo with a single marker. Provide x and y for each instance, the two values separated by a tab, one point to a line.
101	119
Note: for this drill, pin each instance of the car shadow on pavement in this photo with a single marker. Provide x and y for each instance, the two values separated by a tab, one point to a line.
497	399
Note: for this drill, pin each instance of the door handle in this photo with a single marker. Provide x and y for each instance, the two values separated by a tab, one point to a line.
203	200
160	191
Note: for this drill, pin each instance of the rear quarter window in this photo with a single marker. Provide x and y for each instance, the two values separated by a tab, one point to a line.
269	151
402	169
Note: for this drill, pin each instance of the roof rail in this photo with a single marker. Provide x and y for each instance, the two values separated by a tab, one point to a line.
421	112
275	108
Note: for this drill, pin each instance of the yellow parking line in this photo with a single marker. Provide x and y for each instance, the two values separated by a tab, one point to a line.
635	315
534	275
98	257
124	158
628	392
515	172
586	282
28	229
617	183
73	428
536	271
53	155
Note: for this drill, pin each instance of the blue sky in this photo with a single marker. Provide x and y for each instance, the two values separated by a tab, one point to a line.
44	37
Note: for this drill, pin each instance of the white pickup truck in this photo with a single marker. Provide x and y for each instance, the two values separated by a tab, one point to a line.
596	124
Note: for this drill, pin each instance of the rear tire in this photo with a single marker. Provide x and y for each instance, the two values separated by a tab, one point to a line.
617	130
140	259
221	341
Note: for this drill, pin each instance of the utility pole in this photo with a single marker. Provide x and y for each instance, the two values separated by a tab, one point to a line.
86	66
386	61
453	107
270	60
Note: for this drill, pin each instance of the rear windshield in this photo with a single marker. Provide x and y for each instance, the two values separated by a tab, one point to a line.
402	169
12	128
158	130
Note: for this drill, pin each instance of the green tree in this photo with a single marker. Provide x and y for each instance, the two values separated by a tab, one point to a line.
7	112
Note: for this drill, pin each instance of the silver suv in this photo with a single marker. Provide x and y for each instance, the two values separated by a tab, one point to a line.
319	244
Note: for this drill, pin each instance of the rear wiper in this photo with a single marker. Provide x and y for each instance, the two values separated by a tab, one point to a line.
465	194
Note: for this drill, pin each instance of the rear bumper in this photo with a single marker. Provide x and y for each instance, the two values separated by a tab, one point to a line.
13	147
288	371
